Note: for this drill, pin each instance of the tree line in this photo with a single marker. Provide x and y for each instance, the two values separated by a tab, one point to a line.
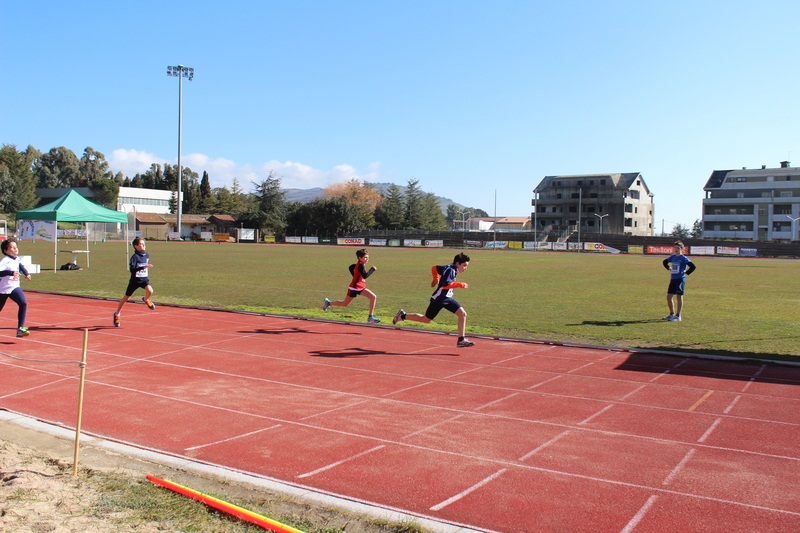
347	206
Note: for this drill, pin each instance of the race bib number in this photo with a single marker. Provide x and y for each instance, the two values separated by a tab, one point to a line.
675	268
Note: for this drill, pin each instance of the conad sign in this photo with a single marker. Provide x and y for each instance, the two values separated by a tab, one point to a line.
351	240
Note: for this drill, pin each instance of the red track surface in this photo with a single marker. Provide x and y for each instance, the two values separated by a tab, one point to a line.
505	436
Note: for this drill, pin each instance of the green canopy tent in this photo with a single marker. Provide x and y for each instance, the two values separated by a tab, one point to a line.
72	207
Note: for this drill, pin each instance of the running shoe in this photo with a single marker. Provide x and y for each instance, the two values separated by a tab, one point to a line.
373	319
668	317
675	318
465	344
23	332
326	304
399	317
116	320
150	304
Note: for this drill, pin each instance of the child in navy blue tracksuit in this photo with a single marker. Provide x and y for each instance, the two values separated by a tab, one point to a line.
139	265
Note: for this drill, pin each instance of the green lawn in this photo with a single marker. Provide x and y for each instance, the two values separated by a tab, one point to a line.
738	307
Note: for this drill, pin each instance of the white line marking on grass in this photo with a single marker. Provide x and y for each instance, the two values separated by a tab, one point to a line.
543	446
638	517
708	432
679	467
440	506
337	463
598	413
233	438
733	403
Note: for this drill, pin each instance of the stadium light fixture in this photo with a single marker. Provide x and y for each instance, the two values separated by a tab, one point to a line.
601	217
794	220
180	72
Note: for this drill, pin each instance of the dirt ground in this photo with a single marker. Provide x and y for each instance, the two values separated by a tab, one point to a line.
39	494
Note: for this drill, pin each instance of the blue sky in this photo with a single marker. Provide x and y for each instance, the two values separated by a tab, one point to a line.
475	99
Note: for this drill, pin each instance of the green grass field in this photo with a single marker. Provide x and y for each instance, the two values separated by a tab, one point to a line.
737	307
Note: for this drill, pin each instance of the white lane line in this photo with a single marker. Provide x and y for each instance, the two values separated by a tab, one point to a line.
546	444
337	463
638	517
448	501
731	406
710	430
233	438
677	469
598	413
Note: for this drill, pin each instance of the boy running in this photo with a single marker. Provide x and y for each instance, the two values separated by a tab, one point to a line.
358	285
10	269
444	279
679	267
139	264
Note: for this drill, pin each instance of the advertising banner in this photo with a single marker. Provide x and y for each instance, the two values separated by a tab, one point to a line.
206	235
728	250
352	240
412	242
516	245
36	229
495	244
434	243
559	246
293	240
395	242
748	252
378	242
665	250
635	249
701	250
311	240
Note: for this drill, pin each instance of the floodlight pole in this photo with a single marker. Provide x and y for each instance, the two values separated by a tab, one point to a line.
601	221
180	72
793	222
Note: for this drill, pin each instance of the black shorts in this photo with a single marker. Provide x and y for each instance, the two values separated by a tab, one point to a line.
354	293
136	283
676	286
438	304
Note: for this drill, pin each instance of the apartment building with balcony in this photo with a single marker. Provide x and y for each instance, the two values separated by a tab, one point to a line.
596	203
759	204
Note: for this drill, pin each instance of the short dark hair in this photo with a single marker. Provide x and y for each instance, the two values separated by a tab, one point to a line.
461	258
6	243
362	252
137	240
679	243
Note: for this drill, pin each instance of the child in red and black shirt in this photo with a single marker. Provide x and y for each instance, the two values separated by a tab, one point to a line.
358	285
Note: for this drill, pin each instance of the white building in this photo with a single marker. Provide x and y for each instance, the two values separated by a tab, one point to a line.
759	204
130	199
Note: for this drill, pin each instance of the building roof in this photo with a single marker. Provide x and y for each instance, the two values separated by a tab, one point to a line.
225	219
716	179
621	180
150	218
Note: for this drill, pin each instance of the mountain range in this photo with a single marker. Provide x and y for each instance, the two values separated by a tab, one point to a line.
307	195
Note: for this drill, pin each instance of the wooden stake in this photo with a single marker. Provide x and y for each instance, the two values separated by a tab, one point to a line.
80	402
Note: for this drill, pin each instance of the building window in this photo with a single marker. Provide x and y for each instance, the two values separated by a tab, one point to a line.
558	196
766	194
591	182
629	208
573	209
786	194
602	182
741	178
628	222
739	195
580	182
635	195
576	195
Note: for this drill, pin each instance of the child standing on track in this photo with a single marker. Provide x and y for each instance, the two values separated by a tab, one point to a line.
139	265
444	279
10	269
679	267
358	285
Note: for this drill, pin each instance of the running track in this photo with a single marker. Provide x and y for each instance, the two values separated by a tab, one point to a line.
506	436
